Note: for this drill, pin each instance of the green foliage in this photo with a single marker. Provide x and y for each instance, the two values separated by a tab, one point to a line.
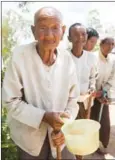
7	36
9	151
12	25
110	30
2	74
7	43
24	5
94	20
6	141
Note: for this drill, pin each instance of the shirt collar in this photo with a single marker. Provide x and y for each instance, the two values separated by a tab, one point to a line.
103	58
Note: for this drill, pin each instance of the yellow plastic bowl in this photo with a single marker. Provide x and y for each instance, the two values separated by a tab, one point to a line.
81	136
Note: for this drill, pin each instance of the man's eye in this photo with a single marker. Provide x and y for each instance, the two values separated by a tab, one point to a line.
55	27
42	28
84	34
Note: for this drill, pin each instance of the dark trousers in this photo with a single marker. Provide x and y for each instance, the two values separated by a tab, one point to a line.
45	153
105	121
82	112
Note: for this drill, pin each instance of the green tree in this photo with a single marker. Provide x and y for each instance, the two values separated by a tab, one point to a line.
7	37
110	30
8	41
12	25
94	20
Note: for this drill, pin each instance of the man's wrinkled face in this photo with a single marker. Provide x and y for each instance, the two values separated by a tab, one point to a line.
107	46
78	35
91	43
48	31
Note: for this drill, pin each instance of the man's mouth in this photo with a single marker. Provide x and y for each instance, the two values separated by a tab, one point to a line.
49	41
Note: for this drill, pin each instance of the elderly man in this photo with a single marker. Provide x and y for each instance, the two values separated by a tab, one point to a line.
40	85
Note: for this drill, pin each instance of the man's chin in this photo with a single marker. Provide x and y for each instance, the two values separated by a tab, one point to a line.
50	47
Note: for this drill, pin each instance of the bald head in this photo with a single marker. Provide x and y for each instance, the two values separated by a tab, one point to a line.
48	28
47	12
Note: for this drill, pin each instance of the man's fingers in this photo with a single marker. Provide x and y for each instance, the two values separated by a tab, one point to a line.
58	120
57	136
64	115
93	94
58	139
59	143
57	127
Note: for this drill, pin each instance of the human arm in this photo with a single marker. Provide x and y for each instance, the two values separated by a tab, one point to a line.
12	96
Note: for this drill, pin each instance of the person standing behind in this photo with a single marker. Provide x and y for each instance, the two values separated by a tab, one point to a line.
92	38
84	63
104	82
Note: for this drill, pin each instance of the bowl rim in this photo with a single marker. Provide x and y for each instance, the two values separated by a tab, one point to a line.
71	121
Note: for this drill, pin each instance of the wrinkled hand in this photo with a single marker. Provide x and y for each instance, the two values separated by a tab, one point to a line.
54	120
58	138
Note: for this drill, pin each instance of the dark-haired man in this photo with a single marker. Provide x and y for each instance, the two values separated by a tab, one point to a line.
92	37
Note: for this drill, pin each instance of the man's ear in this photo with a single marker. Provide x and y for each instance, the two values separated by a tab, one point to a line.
63	30
69	38
33	30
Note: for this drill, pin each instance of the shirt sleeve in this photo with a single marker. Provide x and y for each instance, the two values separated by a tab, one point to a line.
13	99
93	75
92	79
111	80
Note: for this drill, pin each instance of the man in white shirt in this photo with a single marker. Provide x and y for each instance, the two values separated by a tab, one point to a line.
85	66
92	38
104	83
40	85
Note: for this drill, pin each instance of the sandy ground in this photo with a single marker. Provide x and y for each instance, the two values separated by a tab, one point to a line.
111	147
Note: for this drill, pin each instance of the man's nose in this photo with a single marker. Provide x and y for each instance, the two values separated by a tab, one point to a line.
81	37
48	32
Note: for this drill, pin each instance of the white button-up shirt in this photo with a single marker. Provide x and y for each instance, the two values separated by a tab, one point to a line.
86	70
30	89
106	72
